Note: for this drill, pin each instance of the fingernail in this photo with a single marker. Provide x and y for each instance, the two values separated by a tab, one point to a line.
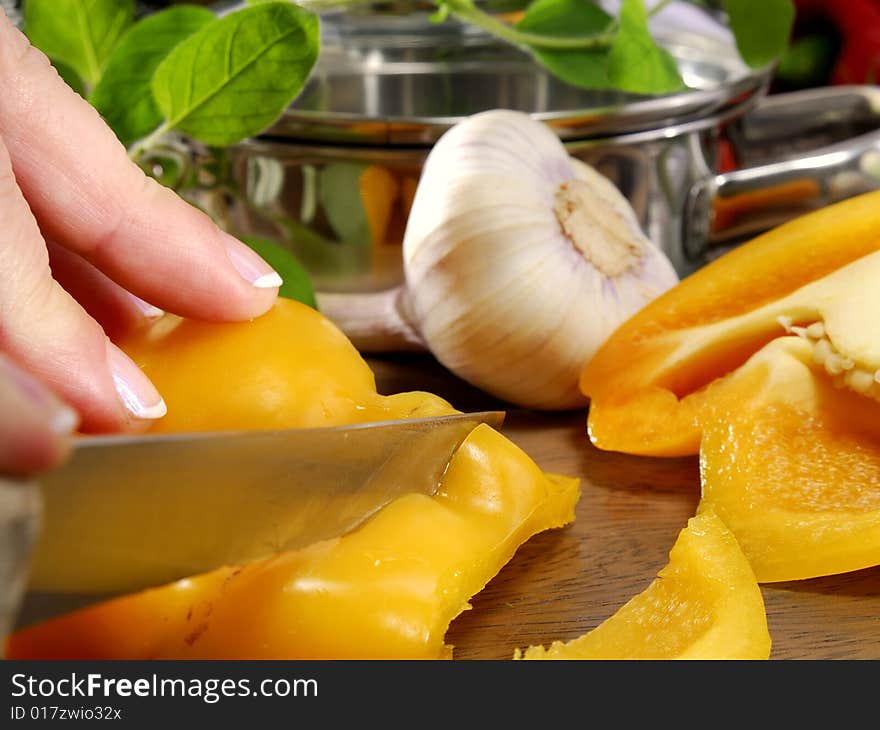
250	265
145	308
137	393
62	419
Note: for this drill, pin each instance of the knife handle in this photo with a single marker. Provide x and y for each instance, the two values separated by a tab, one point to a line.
20	515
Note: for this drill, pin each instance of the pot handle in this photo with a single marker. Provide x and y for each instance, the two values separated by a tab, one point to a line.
725	209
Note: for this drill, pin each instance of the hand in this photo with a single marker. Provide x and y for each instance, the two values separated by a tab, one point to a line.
34	424
87	239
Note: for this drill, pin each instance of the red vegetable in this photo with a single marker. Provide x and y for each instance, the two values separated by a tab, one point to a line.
857	26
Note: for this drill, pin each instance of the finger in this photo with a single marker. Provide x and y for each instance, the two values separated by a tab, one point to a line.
46	332
115	309
34	424
89	197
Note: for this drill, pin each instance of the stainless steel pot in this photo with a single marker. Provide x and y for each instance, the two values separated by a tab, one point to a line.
333	179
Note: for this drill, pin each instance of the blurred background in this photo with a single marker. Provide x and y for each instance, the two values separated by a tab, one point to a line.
332	181
834	41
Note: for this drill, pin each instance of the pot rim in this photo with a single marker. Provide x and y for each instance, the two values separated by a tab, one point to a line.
633	115
283	147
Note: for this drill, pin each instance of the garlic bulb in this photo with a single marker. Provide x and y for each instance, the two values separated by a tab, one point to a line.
520	260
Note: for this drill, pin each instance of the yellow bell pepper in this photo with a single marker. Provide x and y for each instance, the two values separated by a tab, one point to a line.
794	470
705	604
659	376
386	590
290	368
767	362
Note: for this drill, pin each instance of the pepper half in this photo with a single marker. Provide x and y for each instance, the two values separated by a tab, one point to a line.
780	395
661	375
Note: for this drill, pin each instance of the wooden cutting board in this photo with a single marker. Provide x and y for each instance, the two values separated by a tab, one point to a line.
563	583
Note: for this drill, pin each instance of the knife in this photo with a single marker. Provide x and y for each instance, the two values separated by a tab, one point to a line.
127	513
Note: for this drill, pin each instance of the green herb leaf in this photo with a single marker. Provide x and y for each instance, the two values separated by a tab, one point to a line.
636	63
233	78
123	95
570	18
505	6
78	33
761	27
340	195
440	15
564	18
297	284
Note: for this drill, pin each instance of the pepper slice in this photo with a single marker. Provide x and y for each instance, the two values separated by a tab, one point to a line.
794	471
705	604
387	590
660	376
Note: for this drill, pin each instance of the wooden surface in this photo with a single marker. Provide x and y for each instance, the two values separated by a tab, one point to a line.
565	582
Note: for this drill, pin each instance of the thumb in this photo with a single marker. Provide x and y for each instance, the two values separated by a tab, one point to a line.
34	424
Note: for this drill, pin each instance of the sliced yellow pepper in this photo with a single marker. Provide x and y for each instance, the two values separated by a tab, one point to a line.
387	590
767	362
658	378
705	604
794	471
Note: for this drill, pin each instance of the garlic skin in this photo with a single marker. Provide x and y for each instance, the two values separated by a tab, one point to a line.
520	260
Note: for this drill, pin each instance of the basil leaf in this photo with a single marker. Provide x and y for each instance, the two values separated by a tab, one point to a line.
297	284
505	6
569	18
123	95
233	78
78	33
340	195
761	28
564	18
636	63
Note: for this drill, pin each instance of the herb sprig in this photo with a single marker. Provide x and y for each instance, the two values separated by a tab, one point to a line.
223	79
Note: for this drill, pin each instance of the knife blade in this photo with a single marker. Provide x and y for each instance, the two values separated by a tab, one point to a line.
127	513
